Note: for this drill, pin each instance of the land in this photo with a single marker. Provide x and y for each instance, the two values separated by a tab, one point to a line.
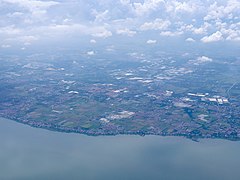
133	94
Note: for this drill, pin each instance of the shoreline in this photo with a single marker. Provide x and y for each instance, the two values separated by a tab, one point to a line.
94	134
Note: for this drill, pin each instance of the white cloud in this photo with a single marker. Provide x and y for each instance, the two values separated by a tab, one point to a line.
126	31
150	41
233	36
101	16
31	11
204	59
6	46
170	34
15	14
184	7
24	40
232	6
10	30
90	53
157	24
202	30
217	36
216	11
52	19
28	35
33	5
232	32
201	60
102	33
81	29
186	27
190	40
125	2
93	41
110	48
27	40
60	29
146	7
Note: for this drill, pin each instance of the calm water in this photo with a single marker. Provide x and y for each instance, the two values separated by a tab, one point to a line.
30	153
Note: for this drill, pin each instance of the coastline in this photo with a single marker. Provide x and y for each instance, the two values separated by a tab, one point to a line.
124	133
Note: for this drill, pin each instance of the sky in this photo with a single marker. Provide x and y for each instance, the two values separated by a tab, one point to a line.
26	23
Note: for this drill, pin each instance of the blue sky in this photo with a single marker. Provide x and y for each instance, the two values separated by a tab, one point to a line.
29	22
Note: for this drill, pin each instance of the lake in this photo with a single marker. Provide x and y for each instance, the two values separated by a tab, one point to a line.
31	153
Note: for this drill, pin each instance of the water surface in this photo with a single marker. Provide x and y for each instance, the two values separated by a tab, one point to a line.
30	153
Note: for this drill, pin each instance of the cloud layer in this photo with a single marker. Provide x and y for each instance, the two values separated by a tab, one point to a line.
204	21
